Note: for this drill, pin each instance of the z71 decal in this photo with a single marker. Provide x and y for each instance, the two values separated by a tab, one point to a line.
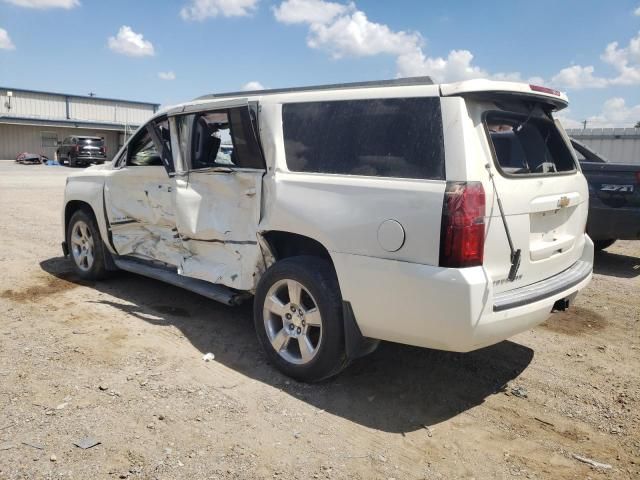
607	187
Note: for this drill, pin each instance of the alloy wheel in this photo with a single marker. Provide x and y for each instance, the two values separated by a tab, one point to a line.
82	246
292	321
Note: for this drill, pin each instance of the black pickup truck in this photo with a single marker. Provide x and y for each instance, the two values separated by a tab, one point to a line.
614	198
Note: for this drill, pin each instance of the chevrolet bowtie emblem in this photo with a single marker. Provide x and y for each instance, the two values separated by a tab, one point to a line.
563	202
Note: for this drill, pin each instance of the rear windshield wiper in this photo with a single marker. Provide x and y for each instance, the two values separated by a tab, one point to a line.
515	254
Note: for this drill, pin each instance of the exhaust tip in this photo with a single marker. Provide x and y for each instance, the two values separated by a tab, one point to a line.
561	305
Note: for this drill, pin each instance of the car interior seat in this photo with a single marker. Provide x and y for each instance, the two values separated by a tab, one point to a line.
206	145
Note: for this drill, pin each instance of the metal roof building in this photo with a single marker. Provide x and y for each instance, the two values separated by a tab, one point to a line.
34	121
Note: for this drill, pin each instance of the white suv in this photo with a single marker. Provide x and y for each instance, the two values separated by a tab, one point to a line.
444	216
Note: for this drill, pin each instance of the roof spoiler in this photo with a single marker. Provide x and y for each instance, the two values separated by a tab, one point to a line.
491	88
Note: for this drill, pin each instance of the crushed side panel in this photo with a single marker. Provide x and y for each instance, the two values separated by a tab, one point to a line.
141	214
217	218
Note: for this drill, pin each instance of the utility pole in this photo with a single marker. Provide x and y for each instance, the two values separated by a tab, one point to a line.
584	125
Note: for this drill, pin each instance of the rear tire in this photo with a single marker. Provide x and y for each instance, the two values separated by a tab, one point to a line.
85	246
602	244
298	318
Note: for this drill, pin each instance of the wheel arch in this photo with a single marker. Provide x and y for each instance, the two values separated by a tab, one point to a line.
72	207
284	244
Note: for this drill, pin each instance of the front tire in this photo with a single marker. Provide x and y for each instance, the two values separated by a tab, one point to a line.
298	318
85	246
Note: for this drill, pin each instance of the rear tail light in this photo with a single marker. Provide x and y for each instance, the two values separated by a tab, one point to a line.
638	177
462	231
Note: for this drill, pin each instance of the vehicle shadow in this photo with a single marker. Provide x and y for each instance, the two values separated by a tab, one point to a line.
395	389
616	265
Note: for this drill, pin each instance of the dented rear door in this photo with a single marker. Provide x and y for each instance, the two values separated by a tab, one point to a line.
217	194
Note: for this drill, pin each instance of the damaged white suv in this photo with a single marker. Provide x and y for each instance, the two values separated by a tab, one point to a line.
444	216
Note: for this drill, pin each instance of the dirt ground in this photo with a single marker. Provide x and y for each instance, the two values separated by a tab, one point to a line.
120	361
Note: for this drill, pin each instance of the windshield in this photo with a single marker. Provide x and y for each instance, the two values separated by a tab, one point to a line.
528	143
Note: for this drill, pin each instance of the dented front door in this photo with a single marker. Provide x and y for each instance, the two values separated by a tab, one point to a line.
139	200
217	196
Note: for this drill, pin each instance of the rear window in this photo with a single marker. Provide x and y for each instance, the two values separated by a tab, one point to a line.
399	137
526	144
91	141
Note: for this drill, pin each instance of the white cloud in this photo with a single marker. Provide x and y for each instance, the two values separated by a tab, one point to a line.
253	85
636	12
354	35
457	66
42	4
202	9
344	31
5	40
127	42
625	60
170	75
614	113
310	11
577	77
565	117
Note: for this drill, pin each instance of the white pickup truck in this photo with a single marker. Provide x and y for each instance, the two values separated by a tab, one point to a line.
445	216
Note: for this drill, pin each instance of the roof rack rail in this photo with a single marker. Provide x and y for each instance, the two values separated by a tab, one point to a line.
396	82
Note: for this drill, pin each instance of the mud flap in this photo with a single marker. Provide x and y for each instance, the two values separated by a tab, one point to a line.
356	345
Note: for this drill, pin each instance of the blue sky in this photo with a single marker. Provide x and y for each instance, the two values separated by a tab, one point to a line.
221	45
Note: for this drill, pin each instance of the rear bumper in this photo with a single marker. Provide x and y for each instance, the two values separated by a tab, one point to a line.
447	309
90	159
518	297
608	223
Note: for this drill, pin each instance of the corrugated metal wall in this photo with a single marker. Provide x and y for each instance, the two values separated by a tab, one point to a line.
33	105
108	111
619	145
54	106
26	138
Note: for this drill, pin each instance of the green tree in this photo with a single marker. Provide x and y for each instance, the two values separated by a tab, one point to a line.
638	125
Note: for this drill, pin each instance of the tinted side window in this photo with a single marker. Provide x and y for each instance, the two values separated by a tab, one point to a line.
398	137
